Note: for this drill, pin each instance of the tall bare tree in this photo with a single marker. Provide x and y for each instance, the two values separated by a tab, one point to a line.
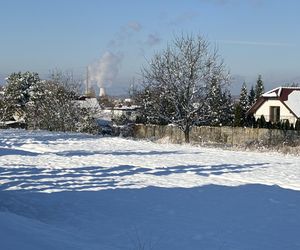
176	82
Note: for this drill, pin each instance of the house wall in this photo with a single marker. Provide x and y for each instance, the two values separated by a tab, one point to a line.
264	110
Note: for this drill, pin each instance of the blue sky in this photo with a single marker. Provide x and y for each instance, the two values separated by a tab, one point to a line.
253	36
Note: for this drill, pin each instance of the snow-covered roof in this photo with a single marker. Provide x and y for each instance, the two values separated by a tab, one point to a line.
125	107
270	94
293	102
89	103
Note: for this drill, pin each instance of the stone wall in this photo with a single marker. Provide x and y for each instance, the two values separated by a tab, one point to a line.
218	135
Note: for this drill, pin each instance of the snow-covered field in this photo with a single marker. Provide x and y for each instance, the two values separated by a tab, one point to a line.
75	191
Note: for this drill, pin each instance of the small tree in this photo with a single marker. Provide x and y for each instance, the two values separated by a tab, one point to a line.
242	107
261	122
259	88
175	83
19	89
238	116
286	125
227	114
251	96
244	101
297	125
214	103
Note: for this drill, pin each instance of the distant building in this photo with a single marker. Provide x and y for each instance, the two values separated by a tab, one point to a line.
278	105
129	112
88	103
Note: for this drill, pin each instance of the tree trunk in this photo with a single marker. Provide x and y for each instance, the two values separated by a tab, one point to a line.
187	135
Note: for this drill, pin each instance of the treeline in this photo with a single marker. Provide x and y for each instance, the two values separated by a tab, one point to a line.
218	107
284	125
246	100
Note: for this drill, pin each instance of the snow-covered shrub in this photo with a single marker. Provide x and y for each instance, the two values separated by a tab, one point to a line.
17	93
47	104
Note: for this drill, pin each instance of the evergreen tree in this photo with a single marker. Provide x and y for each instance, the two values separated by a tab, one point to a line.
297	125
244	101
251	97
286	125
214	103
227	109
242	107
261	122
18	92
259	87
238	116
250	121
219	105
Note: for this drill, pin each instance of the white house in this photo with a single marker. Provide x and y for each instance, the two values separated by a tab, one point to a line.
279	104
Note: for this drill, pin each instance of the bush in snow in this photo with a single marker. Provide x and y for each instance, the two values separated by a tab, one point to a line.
47	104
17	94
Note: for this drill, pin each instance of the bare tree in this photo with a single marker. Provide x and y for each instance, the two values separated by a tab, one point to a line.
176	82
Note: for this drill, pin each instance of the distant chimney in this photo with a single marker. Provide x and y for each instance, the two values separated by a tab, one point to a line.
102	92
87	89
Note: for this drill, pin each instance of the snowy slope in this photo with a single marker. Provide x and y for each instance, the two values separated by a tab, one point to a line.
75	191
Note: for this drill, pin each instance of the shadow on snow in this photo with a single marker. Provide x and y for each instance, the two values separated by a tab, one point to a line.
209	217
91	177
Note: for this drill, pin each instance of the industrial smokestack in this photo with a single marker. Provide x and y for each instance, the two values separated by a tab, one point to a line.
104	71
102	92
87	87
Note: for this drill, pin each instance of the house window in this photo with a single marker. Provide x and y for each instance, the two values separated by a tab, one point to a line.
274	114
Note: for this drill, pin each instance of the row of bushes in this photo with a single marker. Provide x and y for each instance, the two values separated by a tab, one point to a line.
284	125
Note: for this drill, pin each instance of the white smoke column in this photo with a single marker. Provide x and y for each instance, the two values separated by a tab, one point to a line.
105	70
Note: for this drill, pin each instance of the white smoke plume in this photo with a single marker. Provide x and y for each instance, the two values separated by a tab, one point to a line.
104	71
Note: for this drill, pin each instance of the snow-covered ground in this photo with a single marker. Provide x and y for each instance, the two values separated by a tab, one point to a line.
75	191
